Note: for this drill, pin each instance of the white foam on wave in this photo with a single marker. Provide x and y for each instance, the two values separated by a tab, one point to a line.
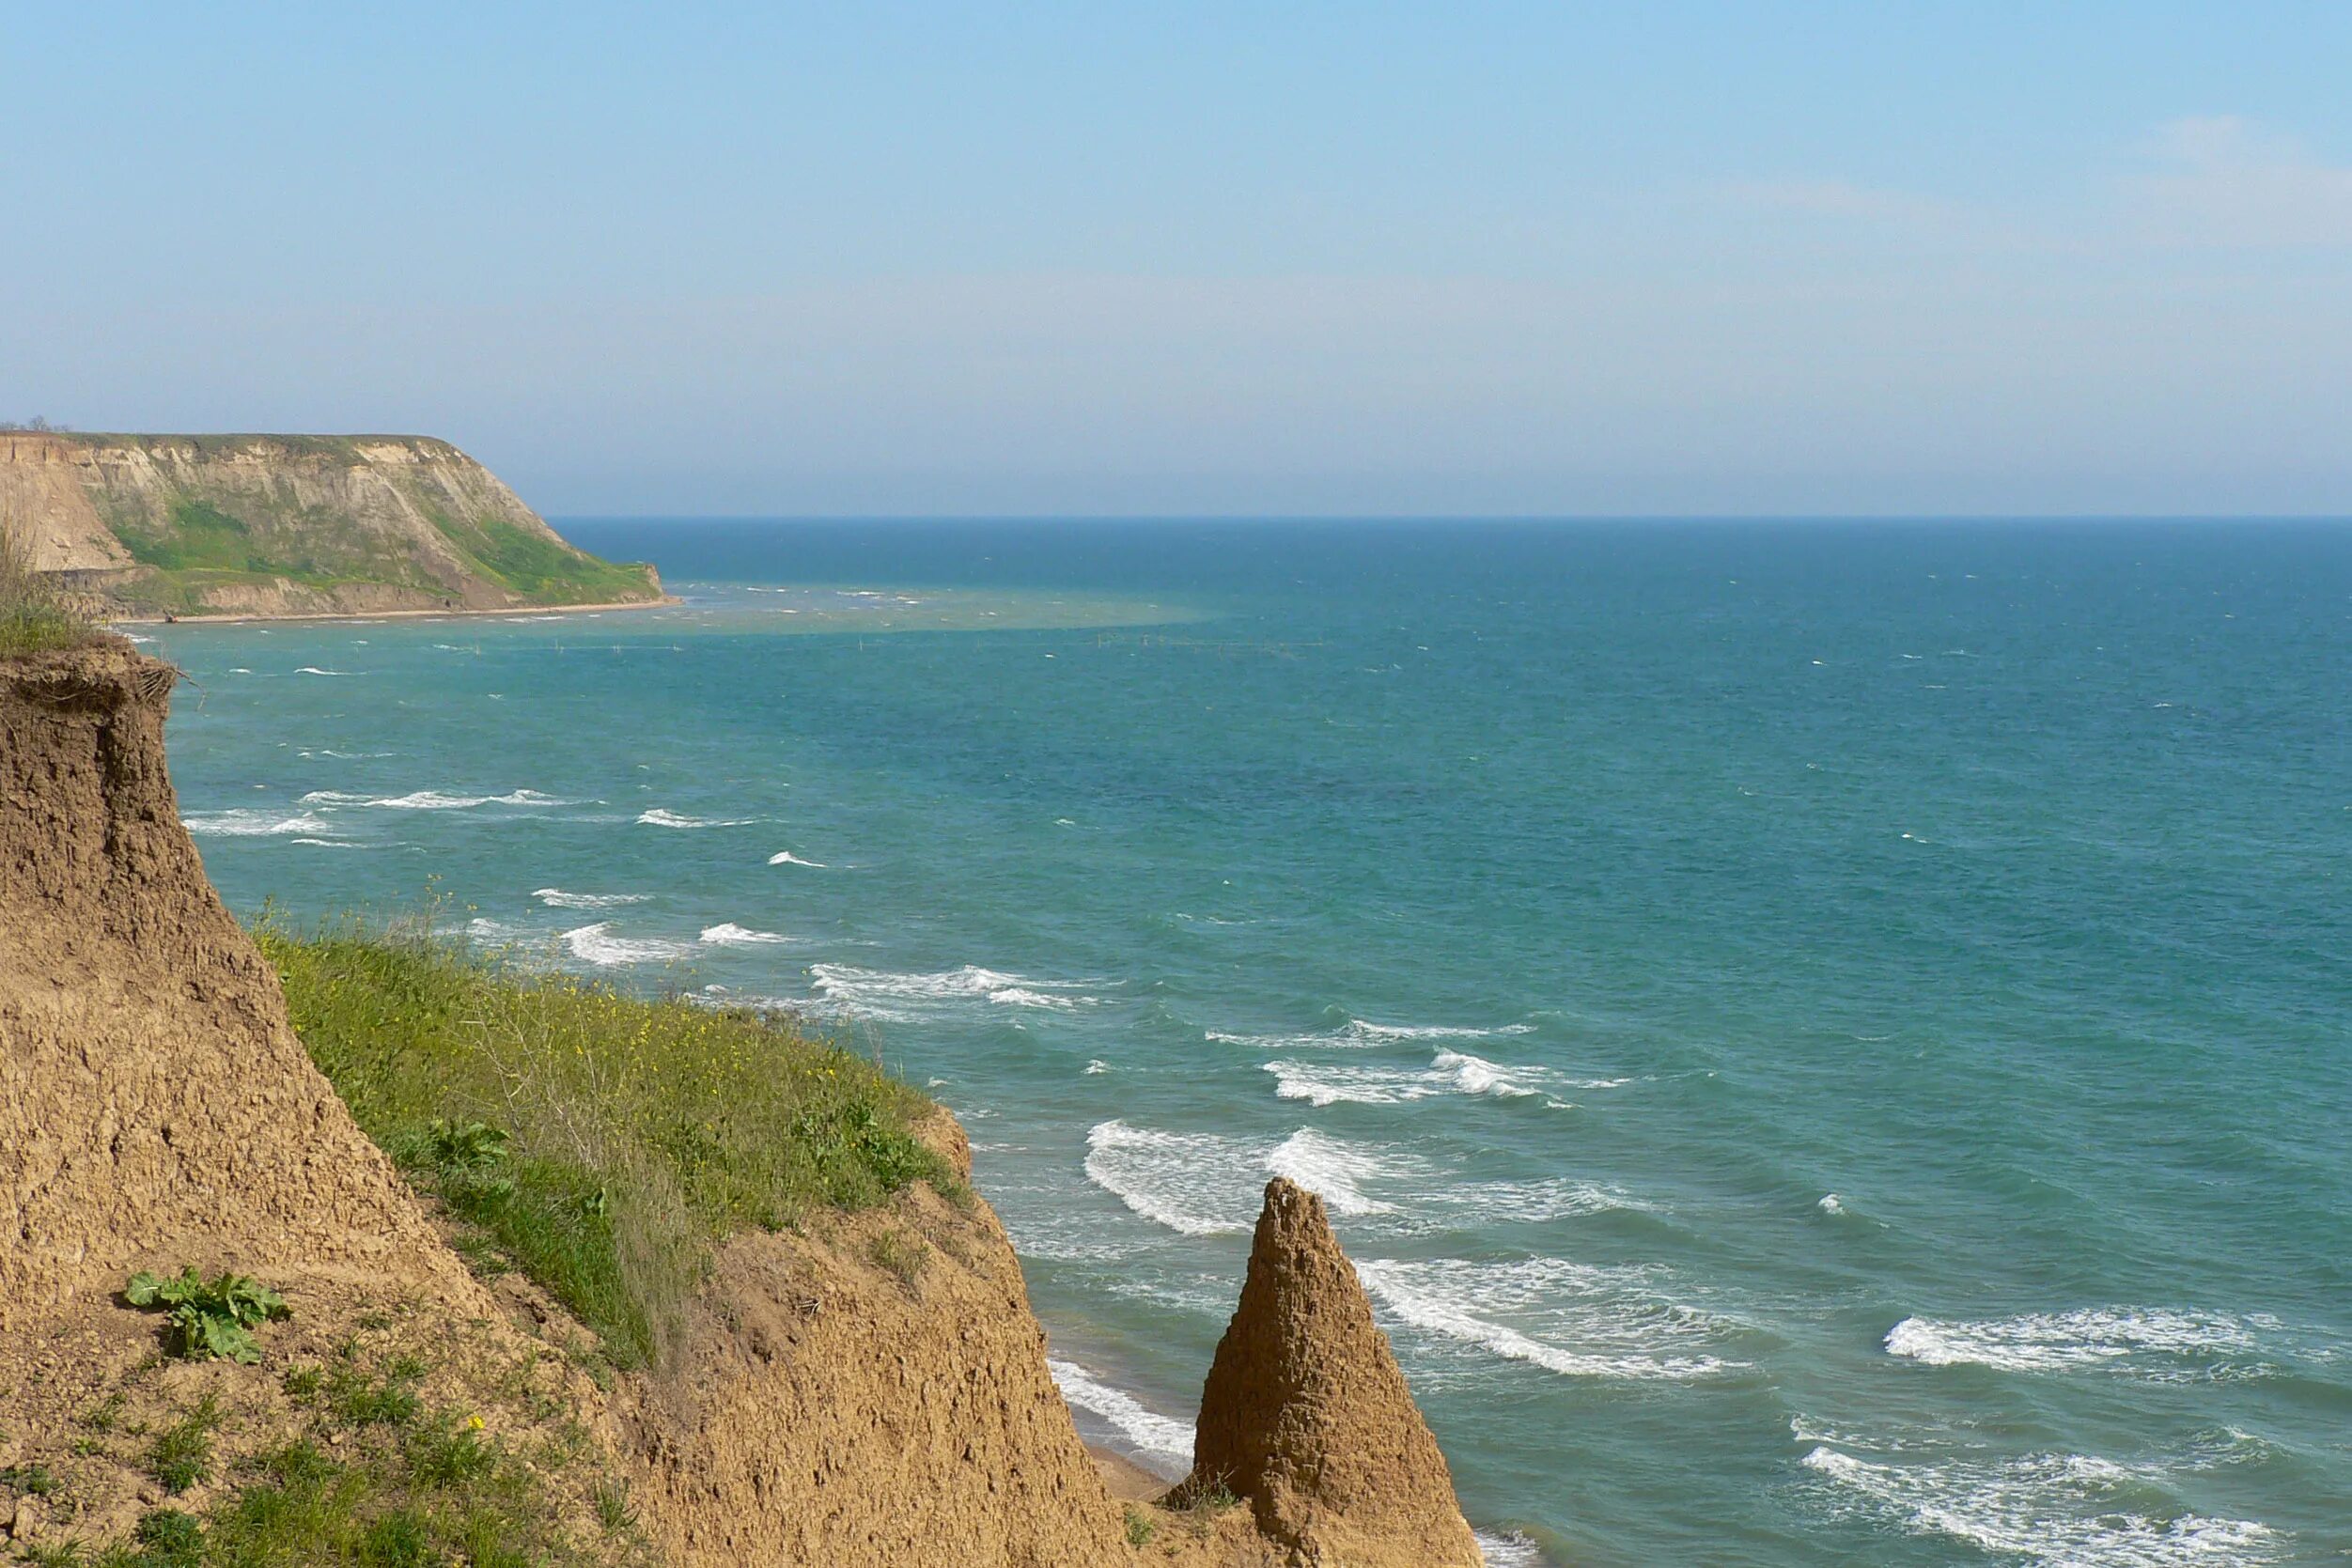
1097	1065
1508	1549
1564	1317
556	898
893	997
1831	1203
786	857
1475	1074
1163	1440
1536	1201
2057	1511
1329	1169
252	822
597	944
1359	1033
313	670
2063	1341
1449	1072
732	934
430	800
657	818
1195	1184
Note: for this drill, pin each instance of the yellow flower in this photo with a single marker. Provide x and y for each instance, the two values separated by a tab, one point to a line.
473	1423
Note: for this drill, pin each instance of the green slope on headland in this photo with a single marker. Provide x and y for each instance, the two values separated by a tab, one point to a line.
278	524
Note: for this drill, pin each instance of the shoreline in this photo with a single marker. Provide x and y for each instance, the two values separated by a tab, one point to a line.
665	601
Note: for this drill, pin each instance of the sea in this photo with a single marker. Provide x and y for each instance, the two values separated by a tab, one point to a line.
1827	1042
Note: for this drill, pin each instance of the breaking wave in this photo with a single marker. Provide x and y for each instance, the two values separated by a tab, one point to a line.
1330	1169
1449	1072
1194	1184
2059	1510
2088	1337
1161	1438
1564	1317
731	935
430	799
786	857
894	998
556	898
597	944
656	818
248	822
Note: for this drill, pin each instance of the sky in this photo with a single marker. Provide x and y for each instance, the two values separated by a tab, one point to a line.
1130	258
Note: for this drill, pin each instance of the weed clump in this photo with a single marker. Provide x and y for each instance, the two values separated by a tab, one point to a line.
182	1452
208	1317
601	1141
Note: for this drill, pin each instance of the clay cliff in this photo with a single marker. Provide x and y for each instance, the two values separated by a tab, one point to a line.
156	1110
260	524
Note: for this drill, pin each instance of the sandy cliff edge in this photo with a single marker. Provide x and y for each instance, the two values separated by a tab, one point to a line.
156	1110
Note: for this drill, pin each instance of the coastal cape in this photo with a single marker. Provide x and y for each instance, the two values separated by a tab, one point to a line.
262	525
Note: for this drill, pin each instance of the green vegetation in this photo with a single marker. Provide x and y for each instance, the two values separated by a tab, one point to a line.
33	1481
896	1252
1141	1527
208	1317
182	1453
603	1143
380	1481
527	563
34	617
201	536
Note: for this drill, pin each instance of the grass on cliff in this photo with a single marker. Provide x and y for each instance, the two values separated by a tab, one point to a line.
602	1142
34	617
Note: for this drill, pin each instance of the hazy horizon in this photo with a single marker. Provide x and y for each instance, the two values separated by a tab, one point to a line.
1700	261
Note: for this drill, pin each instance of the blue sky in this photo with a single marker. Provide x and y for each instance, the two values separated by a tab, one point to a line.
1134	259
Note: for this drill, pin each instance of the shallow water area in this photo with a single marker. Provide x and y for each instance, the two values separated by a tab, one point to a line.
1827	1044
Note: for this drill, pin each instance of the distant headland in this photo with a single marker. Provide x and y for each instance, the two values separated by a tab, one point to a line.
148	526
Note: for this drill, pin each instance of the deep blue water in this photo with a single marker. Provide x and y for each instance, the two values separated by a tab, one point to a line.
1829	1043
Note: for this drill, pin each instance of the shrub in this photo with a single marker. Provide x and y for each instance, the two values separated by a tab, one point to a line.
208	1317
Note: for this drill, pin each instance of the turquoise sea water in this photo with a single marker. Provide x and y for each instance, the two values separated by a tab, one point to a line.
1828	1044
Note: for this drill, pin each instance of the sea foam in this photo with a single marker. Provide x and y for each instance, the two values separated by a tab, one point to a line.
2069	1341
248	822
597	944
2053	1511
893	997
1330	1169
657	818
1163	1440
731	935
1195	1184
1564	1317
556	898
430	799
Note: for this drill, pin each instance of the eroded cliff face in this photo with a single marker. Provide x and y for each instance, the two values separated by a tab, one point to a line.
155	1108
870	1391
835	1410
289	525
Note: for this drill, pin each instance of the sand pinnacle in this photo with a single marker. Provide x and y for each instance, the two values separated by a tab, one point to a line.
1306	1415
